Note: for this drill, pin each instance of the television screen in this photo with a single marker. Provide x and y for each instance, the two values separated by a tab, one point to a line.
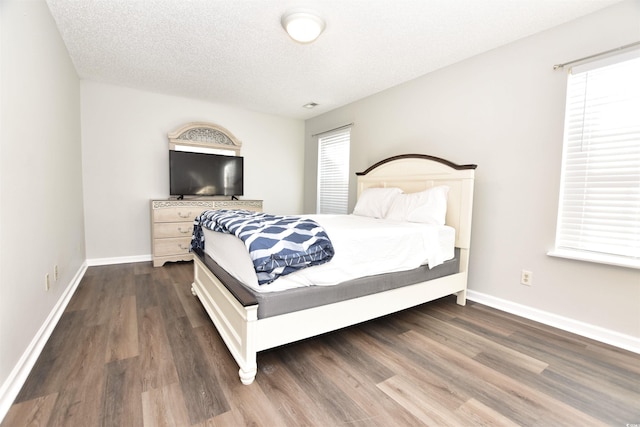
200	174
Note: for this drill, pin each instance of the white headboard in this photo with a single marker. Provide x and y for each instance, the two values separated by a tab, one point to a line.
417	172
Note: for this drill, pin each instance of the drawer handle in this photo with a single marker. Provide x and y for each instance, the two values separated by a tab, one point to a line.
188	214
183	247
184	230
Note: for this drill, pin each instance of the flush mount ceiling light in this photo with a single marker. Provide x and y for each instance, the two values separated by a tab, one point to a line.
302	25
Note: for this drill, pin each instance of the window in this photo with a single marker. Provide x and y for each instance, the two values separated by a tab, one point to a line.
599	209
333	172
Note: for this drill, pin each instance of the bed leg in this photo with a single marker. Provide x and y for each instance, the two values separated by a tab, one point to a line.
193	290
462	297
247	377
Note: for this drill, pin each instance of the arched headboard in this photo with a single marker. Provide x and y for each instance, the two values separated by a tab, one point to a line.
418	172
204	135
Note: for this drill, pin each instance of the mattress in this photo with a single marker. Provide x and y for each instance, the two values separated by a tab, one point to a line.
363	247
291	300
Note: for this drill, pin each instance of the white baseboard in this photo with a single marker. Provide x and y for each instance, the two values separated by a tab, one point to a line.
597	333
118	260
16	379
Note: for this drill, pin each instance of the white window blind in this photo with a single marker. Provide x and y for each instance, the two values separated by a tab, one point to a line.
599	210
333	172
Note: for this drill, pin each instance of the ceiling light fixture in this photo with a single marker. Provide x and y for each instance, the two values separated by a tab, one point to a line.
302	25
310	105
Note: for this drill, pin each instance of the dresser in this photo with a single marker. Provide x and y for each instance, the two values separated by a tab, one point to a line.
172	225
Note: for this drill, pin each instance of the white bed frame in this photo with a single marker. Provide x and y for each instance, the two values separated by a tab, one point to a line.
245	335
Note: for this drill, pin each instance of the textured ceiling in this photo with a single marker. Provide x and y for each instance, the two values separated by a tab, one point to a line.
235	51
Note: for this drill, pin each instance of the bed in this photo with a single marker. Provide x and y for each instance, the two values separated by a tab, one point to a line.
239	313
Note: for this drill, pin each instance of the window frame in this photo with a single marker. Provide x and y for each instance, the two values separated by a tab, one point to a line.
570	250
341	141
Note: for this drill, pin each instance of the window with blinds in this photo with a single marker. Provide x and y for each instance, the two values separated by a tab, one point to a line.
333	172
599	209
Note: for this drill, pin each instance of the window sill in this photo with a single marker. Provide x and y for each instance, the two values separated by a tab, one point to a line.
618	261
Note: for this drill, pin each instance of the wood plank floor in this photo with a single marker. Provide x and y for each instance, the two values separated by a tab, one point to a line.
135	348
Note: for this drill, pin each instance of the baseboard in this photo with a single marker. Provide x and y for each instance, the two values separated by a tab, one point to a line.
16	379
626	342
118	260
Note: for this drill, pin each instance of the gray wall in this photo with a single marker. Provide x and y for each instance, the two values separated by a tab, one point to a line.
504	111
41	214
125	154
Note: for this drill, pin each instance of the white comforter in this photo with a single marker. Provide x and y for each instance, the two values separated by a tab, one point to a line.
363	247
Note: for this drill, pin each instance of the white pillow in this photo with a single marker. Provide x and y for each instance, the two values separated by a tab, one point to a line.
429	206
375	202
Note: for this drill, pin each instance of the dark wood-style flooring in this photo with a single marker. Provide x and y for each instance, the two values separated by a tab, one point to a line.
135	348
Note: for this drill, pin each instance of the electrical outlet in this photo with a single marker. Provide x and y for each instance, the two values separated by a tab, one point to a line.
526	278
47	284
55	273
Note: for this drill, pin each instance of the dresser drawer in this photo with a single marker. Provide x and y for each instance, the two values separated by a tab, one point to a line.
172	246
162	230
177	214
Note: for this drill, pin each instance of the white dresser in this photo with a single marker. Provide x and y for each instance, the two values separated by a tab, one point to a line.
172	225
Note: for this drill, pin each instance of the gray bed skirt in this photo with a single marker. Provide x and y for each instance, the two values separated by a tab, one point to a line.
276	303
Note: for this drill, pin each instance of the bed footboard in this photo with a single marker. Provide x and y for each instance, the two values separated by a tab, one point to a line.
245	335
235	323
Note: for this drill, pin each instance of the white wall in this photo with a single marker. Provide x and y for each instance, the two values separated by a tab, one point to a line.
504	111
126	161
41	215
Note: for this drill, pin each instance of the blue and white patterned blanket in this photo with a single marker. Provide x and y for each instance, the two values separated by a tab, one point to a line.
278	245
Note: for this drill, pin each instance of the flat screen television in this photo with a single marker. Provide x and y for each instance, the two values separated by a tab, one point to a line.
202	174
